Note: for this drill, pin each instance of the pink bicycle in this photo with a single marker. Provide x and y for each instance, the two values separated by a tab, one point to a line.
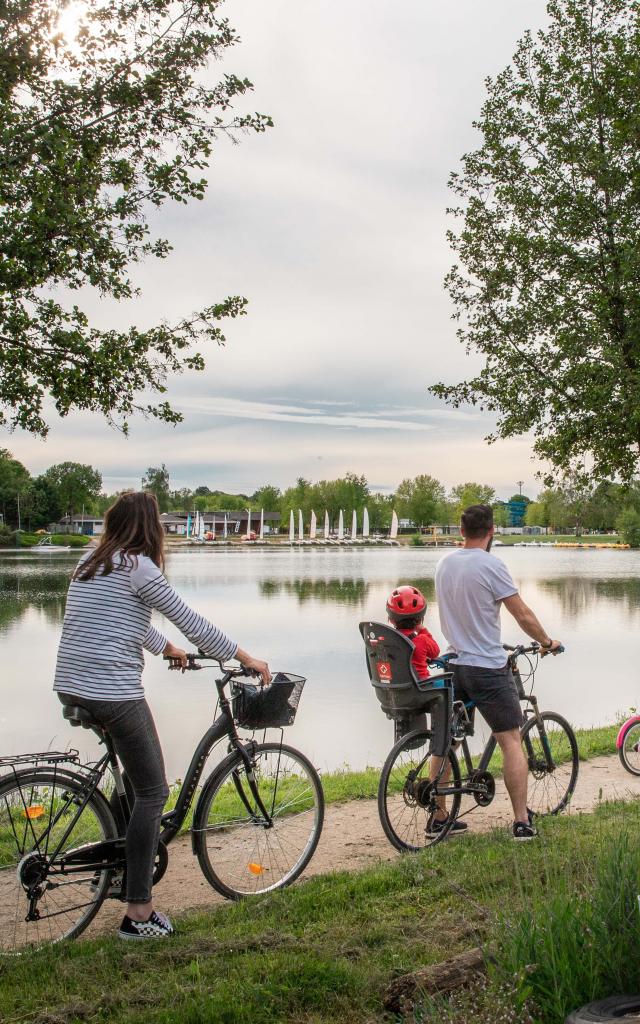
628	744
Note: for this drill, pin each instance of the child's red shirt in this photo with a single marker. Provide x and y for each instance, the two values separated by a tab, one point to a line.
426	648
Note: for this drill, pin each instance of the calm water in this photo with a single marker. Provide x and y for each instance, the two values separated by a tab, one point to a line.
300	609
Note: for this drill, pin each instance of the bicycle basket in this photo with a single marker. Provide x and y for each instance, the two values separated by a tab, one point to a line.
258	707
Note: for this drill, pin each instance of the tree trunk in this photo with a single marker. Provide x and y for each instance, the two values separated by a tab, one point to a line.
459	970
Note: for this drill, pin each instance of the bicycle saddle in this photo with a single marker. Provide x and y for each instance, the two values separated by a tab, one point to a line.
79	716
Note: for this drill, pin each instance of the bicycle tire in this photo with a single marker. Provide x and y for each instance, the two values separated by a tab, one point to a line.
605	1011
94	823
623	752
231	821
564	782
390	792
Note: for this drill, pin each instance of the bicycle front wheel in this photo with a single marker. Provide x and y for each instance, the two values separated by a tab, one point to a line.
629	749
551	750
41	817
408	801
242	853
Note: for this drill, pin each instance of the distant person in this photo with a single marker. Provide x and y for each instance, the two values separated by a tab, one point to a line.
107	624
406	609
471	587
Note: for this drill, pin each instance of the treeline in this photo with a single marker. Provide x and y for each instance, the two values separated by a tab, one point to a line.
71	487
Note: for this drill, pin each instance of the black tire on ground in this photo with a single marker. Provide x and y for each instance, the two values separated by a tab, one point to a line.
550	792
239	856
65	910
404	820
604	1011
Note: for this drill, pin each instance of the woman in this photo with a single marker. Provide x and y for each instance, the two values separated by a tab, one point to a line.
99	667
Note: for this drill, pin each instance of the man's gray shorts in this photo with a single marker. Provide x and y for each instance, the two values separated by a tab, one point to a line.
493	691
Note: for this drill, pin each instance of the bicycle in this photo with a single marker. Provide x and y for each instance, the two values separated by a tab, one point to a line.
256	823
628	744
408	796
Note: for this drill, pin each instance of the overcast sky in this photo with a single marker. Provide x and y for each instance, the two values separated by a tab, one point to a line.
333	226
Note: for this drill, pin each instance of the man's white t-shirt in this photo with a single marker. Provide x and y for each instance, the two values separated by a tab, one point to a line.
470	584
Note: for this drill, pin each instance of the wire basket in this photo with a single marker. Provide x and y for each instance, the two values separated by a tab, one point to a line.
267	707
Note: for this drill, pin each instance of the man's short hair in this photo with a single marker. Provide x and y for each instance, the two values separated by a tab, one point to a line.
476	521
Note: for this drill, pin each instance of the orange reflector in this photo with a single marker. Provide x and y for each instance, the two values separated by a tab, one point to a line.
255	869
36	811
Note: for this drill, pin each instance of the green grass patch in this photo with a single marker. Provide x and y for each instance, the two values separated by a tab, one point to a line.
559	538
325	950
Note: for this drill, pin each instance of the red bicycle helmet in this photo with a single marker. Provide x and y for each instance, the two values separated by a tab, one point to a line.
405	603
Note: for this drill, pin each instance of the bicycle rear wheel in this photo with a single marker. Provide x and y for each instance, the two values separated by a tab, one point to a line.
407	799
240	852
552	755
37	807
629	750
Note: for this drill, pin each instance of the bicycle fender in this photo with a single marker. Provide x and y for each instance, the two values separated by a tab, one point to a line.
623	729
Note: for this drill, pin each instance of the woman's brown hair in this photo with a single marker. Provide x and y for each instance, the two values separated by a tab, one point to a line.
132	525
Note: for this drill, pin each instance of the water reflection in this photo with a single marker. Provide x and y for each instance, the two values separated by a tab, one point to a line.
353	592
27	587
349	592
579	595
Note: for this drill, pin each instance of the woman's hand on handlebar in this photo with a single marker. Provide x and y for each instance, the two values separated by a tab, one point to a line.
176	654
254	665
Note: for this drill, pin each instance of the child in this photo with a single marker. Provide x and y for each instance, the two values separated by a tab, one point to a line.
406	608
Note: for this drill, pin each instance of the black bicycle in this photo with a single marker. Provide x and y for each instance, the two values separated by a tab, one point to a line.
256	823
412	787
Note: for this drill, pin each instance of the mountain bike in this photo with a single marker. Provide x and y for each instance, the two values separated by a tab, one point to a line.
256	823
408	796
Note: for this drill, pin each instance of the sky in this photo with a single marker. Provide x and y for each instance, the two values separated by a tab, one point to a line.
333	225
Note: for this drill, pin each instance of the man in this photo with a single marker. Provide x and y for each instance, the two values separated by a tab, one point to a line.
471	587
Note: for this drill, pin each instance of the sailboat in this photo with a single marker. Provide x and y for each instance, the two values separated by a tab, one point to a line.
261	524
292	528
394	526
365	524
326	526
200	527
341	526
300	525
313	525
354	525
225	528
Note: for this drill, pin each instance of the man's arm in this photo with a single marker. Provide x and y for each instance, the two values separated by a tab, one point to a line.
529	622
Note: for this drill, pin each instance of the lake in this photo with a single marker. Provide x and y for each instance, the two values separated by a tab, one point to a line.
299	608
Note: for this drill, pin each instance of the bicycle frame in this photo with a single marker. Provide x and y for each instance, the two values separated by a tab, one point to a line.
110	854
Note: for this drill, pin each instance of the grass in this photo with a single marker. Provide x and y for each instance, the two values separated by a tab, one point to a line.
325	950
564	538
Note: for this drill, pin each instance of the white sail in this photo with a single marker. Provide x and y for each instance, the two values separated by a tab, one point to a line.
248	522
226	527
365	523
341	526
200	527
326	526
300	525
292	529
261	524
394	526
313	526
354	525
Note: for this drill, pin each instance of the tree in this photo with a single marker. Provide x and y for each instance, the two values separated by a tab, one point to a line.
156	480
98	127
467	494
47	507
500	515
267	497
420	499
15	482
628	526
76	485
545	286
202	491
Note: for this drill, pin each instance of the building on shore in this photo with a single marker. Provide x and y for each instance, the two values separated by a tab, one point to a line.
239	523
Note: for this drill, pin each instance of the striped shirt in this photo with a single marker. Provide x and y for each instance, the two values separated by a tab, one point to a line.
107	623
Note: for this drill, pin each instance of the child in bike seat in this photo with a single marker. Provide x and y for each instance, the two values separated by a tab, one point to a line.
406	608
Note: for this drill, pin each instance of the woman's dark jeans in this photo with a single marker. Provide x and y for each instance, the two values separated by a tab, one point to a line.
132	729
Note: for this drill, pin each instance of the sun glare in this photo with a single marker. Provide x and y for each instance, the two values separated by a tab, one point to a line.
69	21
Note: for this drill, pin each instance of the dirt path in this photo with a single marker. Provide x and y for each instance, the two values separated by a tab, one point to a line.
352	838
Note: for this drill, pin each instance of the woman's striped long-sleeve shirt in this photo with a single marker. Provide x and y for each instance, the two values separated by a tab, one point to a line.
107	624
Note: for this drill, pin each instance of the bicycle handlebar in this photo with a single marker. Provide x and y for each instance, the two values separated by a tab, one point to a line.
535	648
191	666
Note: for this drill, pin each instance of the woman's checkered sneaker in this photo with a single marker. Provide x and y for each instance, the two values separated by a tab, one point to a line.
157	927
